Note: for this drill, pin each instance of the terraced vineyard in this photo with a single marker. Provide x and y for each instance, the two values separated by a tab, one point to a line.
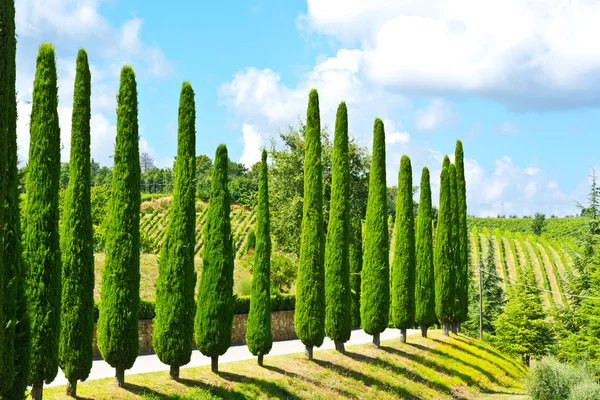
548	255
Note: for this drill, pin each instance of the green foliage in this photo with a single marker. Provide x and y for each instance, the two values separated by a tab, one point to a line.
10	257
454	240
77	239
175	307
214	315
443	252
250	242
356	262
120	294
375	285
564	229
258	333
588	390
425	282
462	272
553	380
309	319
403	266
539	223
42	247
338	321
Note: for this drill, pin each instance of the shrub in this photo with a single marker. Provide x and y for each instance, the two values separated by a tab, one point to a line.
585	391
553	380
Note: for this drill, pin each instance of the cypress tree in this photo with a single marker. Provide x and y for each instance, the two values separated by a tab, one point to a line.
403	265
77	242
258	333
455	244
309	319
214	316
118	330
7	256
425	283
175	307
42	246
338	321
462	276
375	285
443	255
356	261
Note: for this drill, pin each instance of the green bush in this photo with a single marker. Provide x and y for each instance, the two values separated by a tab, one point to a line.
553	380
585	391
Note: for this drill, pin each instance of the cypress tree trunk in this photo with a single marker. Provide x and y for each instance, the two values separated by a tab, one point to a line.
37	390
425	282
214	316
309	318
403	266
42	247
462	276
443	255
356	262
258	333
77	242
260	360
120	377
338	321
72	388
214	364
118	329
175	307
9	259
308	352
174	371
375	285
376	340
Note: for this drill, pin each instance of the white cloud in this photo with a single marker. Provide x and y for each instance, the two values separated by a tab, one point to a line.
435	115
532	171
529	54
507	128
393	135
252	145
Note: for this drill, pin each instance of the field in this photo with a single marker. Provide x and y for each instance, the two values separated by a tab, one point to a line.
434	368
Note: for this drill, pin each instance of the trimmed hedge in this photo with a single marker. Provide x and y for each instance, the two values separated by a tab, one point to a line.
241	305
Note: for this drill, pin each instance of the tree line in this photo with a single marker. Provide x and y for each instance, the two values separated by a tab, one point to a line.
46	302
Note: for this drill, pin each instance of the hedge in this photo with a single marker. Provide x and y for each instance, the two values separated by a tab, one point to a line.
241	305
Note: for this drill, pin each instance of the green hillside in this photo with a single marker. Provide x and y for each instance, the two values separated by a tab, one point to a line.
434	368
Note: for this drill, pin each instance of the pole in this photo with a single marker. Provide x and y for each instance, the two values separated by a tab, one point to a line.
480	304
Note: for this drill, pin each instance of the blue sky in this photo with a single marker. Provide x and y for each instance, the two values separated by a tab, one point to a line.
516	82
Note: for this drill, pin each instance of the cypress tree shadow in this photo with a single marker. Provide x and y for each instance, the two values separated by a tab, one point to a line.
491	350
270	388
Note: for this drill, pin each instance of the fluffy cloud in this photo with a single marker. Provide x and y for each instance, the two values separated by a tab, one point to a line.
69	24
252	145
435	115
528	54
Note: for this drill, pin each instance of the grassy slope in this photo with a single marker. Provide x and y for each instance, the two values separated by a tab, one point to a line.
435	368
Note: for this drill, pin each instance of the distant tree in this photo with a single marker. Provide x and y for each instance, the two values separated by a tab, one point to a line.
41	238
175	307
425	282
146	162
443	254
258	333
593	208
118	330
539	224
338	321
64	175
77	242
375	280
356	262
214	311
403	265
309	319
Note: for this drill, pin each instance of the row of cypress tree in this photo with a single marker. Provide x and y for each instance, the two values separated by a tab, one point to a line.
337	288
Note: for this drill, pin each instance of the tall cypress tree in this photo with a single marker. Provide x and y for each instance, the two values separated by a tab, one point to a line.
175	307
77	242
258	333
7	257
443	255
356	261
309	319
455	244
424	282
375	285
214	315
118	329
403	265
462	276
338	321
13	249
42	246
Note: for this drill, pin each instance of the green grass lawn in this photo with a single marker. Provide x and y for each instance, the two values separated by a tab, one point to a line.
434	368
